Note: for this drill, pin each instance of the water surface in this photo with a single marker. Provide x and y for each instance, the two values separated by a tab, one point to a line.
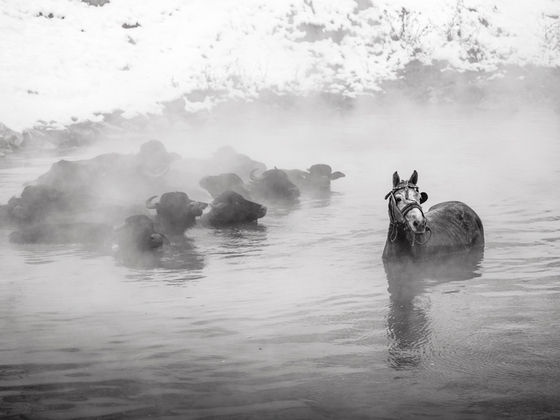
298	317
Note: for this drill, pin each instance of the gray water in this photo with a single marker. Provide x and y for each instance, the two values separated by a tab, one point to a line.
298	318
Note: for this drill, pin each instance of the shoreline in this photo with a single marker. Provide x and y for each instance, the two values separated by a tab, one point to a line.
506	90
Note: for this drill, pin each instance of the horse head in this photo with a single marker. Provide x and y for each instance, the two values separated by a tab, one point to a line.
405	210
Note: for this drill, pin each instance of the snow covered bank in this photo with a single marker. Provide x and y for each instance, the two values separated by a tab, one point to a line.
69	62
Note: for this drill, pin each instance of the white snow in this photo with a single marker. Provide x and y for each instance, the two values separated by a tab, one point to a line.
67	61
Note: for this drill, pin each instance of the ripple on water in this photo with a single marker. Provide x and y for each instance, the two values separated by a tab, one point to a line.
296	316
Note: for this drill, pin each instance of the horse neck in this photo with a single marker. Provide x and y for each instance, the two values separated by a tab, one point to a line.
398	242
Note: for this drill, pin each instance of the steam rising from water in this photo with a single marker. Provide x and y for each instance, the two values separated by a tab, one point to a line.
458	151
302	305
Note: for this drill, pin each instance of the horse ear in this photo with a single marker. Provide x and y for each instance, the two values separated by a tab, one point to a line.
413	178
423	197
396	179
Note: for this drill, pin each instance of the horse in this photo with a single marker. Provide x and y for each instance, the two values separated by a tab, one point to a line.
446	228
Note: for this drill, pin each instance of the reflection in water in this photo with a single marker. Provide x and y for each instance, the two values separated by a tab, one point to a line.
286	318
37	254
183	254
182	260
240	240
180	257
408	321
140	259
321	199
282	208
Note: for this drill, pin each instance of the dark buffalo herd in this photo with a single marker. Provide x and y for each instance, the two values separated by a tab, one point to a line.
99	200
111	200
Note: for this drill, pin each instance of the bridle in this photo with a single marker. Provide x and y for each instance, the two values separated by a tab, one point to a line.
397	216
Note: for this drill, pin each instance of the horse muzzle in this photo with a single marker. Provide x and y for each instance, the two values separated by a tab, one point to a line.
416	221
419	227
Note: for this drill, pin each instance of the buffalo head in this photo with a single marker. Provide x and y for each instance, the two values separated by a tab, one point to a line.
230	207
153	159
317	178
176	212
45	204
115	175
273	184
35	203
138	233
7	210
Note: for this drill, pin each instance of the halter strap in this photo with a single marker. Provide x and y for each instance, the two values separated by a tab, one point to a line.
402	185
397	216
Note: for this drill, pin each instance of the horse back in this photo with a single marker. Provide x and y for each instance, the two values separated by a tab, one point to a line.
454	224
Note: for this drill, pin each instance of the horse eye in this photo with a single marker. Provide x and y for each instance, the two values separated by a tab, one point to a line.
398	199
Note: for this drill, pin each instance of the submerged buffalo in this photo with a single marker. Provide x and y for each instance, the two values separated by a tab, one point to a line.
64	233
217	184
317	179
225	160
114	175
445	228
231	208
43	204
38	203
176	212
274	185
138	234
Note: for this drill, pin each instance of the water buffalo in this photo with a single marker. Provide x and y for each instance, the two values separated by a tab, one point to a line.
114	175
217	184
224	160
135	235
7	215
445	228
230	208
42	204
138	234
274	185
176	212
39	203
64	233
317	179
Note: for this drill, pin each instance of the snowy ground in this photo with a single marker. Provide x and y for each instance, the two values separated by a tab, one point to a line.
66	61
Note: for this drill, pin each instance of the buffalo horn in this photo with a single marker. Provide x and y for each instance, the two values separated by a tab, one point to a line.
19	213
252	175
150	205
119	227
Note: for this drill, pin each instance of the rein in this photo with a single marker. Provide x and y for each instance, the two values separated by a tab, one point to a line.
397	216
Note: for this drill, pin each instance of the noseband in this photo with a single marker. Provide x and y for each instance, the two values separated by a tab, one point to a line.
397	216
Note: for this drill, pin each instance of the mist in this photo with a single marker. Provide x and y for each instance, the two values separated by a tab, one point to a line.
293	315
447	145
